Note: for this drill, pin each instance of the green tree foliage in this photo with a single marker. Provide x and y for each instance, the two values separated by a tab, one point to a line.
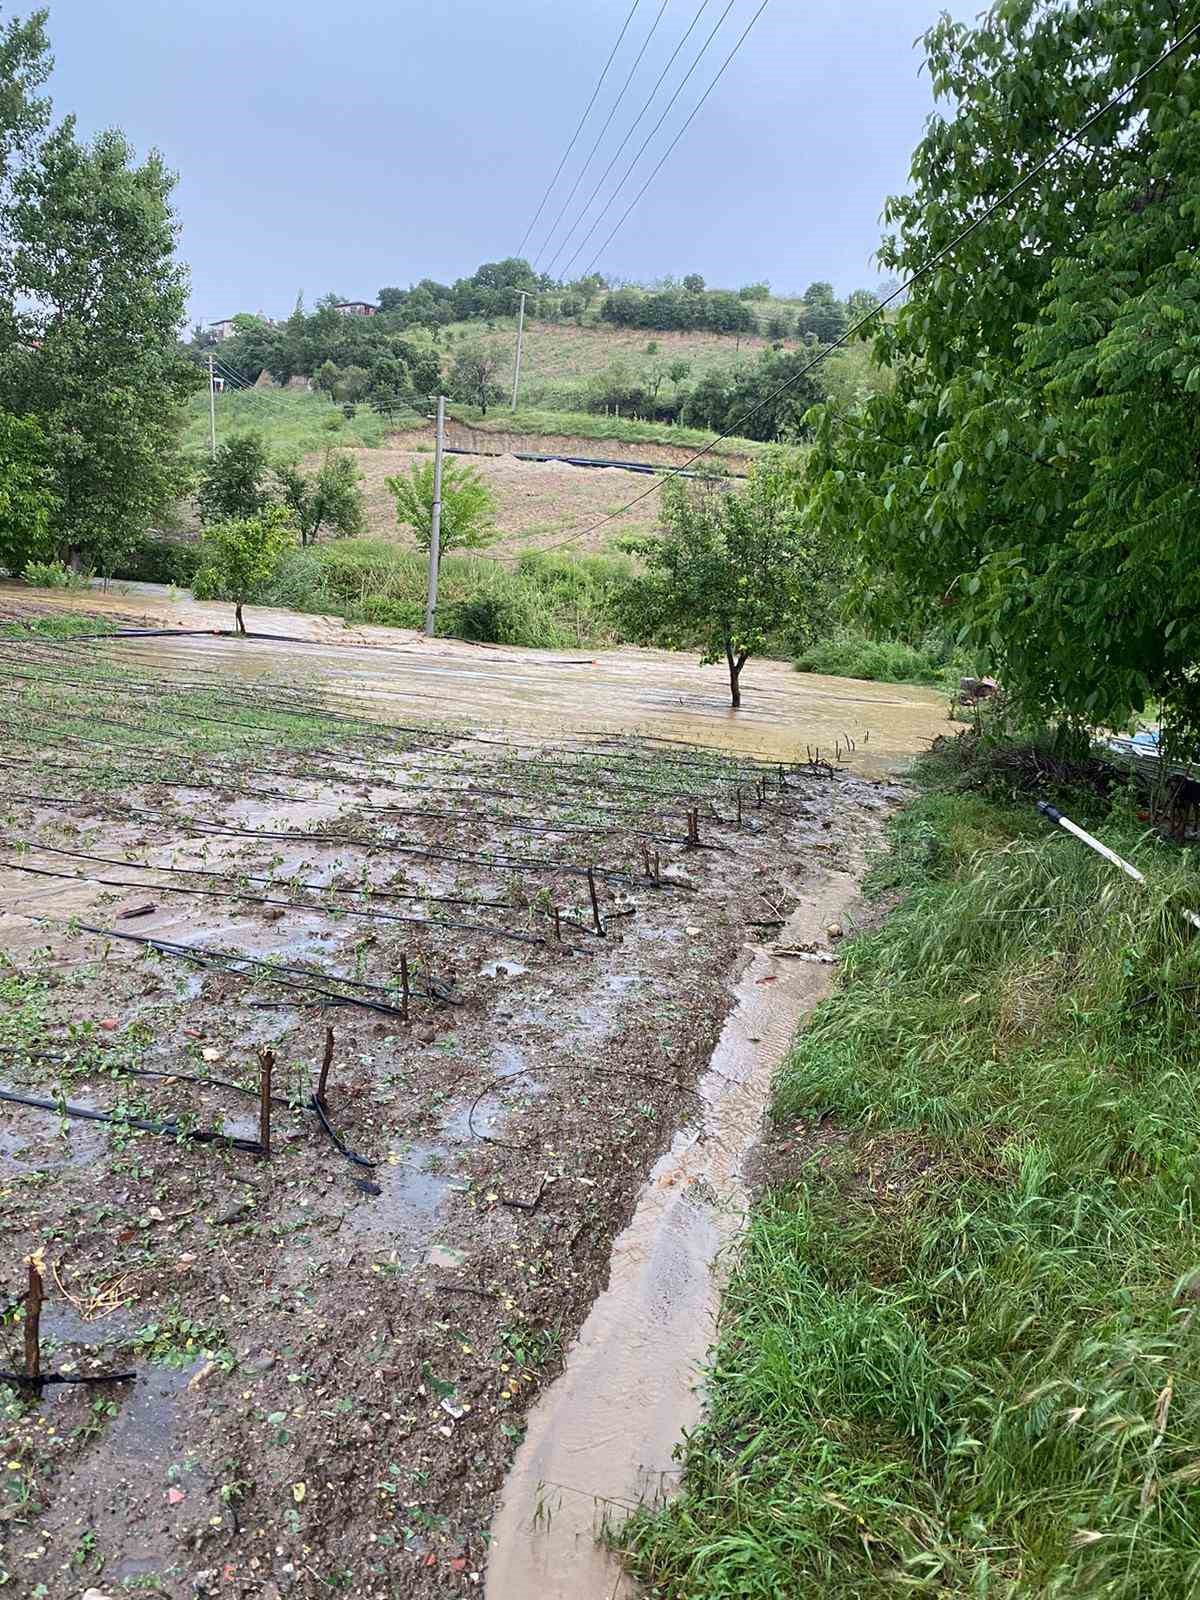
468	510
27	499
748	401
823	316
755	291
331	497
240	556
1033	474
474	373
716	310
92	301
733	568
694	283
235	482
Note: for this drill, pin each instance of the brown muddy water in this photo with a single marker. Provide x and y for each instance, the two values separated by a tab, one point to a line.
600	1440
389	674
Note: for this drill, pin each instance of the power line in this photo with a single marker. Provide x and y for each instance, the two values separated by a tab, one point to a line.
629	134
642	148
600	136
579	129
691	116
923	271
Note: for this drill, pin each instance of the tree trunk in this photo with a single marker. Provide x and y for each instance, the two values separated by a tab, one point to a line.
237	611
736	663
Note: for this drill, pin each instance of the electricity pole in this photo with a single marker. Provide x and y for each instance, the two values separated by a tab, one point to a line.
435	527
520	341
212	404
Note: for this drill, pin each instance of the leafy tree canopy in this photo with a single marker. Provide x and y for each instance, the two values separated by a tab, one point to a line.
468	510
734	568
1034	472
240	556
331	497
27	499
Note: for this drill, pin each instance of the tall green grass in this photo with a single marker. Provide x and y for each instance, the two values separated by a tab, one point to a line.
960	1353
547	600
294	422
855	655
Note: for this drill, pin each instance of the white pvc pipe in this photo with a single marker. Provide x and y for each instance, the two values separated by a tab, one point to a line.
1127	867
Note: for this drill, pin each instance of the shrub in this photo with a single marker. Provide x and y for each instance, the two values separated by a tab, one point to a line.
241	556
53	575
392	613
852	655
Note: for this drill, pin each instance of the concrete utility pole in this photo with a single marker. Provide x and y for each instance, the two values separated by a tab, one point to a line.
435	527
212	404
520	341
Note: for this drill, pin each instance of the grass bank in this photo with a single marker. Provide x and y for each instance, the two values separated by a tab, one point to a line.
959	1351
855	655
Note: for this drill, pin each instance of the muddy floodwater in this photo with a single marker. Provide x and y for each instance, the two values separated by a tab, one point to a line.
392	674
384	1029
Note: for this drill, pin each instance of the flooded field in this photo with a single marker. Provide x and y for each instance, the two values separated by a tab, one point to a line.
393	674
542	958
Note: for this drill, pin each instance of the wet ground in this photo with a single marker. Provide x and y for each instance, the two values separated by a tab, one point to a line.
207	856
394	674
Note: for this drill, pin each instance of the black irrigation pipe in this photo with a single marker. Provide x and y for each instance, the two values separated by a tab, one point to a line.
232	963
257	877
63	1108
214	831
124	1069
515	824
200	1137
42	1379
331	912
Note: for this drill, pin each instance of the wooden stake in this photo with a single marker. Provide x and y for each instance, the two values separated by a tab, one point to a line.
558	924
404	988
325	1065
33	1316
591	877
266	1062
739	799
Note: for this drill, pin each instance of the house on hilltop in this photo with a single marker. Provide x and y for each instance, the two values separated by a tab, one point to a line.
223	329
356	308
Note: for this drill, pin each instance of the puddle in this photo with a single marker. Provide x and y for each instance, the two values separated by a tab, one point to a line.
403	1218
502	969
144	1428
49	1142
601	1437
61	1322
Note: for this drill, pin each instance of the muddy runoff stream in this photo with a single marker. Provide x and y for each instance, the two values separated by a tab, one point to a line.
600	1439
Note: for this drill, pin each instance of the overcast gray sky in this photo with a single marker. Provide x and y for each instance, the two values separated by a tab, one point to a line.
348	145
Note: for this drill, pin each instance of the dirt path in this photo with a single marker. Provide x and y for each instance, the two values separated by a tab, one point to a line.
393	674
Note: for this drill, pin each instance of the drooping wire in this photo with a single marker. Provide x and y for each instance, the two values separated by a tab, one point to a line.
624	179
922	271
600	136
662	160
579	129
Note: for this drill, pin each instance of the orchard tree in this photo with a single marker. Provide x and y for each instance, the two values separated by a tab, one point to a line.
331	497
473	375
238	558
694	283
1032	474
734	568
234	482
27	499
468	510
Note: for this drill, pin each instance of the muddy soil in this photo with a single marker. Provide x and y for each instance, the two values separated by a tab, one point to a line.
332	1361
